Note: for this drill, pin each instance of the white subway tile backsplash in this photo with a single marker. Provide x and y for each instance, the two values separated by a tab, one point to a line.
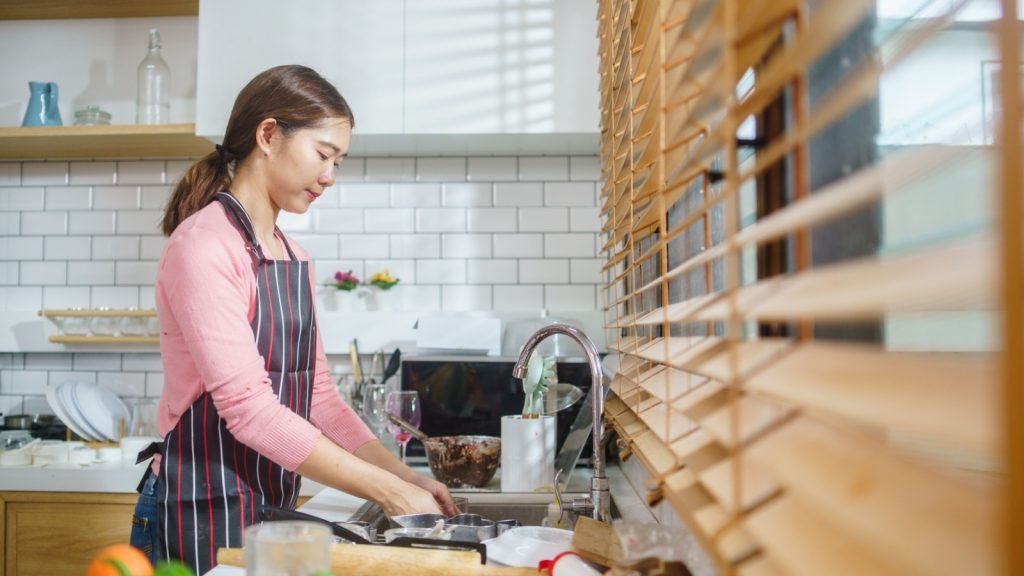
53	361
10	173
543	271
115	198
91	223
364	195
141	273
155	197
351	170
154	384
90	273
466	298
570	298
124	384
441	271
543	168
152	247
492	271
585	219
466	195
147	298
119	297
44	173
92	172
115	247
23	297
440	220
9	274
585	168
69	198
325	269
486	169
318	246
62	377
44	273
329	199
569	245
28	382
139	221
518	298
519	194
22	247
422	298
404	270
425	195
290	222
385	220
21	198
142	363
585	271
175	169
543	220
415	245
466	246
363	246
140	171
44	223
338	220
10	223
491	220
390	169
440	169
66	297
518	246
67	248
82	361
570	194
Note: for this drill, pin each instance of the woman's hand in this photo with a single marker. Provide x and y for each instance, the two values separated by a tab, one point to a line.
440	493
408	498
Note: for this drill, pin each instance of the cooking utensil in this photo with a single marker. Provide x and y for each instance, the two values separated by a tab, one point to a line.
371	378
417	520
357	368
458	461
559	397
28	421
471	528
393	364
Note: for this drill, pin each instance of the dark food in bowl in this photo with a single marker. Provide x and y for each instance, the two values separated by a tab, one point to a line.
463	461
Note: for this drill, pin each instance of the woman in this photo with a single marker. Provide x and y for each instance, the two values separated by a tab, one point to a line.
248	407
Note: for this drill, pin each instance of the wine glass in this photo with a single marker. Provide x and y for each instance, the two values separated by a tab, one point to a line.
406	405
374	410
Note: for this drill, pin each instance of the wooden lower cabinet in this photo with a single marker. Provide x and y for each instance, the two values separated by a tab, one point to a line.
59	533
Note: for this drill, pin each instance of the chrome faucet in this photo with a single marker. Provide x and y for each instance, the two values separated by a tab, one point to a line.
599	495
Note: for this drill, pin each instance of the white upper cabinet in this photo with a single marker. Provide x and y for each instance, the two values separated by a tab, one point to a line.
422	76
356	44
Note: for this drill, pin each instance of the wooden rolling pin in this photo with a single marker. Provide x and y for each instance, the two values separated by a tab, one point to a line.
375	560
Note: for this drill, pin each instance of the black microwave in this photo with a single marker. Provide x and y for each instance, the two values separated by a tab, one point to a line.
470	394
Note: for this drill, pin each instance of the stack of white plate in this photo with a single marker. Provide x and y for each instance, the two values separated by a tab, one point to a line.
92	412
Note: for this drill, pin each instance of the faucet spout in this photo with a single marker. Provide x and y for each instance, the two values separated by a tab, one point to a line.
599	482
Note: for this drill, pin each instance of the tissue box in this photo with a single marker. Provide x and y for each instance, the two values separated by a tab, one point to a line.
459	334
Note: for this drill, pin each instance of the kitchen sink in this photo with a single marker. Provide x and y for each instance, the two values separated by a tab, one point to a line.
529	509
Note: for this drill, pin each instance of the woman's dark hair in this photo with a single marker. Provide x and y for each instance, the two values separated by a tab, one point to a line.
295	96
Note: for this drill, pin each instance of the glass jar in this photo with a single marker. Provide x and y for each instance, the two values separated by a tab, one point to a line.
92	116
133	325
75	325
105	325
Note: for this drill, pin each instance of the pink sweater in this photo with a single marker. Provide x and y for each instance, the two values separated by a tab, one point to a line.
205	298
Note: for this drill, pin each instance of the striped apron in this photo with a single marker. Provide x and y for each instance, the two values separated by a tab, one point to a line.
209	483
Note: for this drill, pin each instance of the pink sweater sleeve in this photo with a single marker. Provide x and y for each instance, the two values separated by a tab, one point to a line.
206	292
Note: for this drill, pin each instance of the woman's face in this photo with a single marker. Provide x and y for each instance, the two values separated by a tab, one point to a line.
303	164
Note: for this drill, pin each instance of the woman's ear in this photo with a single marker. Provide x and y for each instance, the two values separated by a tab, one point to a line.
267	136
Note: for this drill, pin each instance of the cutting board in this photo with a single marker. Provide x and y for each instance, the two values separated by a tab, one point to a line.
377	560
596	541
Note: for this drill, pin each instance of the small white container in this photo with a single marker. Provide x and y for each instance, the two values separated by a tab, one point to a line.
527	453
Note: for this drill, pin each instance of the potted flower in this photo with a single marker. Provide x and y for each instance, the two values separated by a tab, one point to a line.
341	298
381	299
383	280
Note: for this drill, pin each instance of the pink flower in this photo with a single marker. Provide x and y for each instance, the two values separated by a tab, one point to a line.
345	280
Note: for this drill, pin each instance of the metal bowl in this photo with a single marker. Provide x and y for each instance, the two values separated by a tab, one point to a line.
470	528
418	520
463	461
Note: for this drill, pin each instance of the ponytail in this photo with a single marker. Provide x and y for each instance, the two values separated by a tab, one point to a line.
195	190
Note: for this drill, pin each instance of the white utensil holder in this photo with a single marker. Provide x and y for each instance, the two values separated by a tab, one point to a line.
527	452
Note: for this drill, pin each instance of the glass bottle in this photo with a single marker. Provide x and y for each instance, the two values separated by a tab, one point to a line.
153	105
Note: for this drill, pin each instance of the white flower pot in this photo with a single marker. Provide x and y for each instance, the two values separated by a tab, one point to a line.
527	453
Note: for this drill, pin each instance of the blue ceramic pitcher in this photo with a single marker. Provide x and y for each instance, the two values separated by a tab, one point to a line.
42	105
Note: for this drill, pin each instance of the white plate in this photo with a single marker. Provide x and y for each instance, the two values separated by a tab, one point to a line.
102	409
54	397
526	546
74	408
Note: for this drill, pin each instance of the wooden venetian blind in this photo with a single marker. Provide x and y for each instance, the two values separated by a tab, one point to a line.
786	451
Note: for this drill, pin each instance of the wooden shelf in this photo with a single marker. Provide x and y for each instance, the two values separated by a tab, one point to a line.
104	339
121	140
62	9
90	313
